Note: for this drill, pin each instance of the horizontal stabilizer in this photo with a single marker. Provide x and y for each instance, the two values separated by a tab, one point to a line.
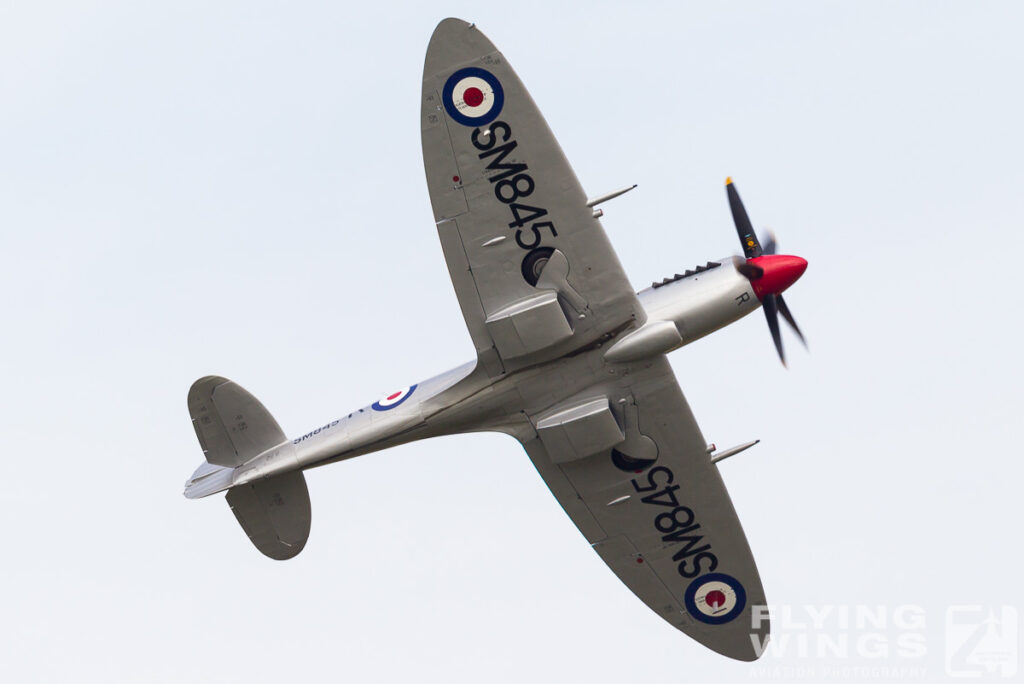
232	425
275	513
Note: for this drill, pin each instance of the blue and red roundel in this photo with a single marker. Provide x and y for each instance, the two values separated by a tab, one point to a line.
392	400
473	96
715	598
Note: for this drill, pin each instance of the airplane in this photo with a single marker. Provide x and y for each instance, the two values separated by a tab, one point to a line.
570	361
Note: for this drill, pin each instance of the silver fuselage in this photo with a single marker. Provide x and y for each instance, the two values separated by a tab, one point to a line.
466	399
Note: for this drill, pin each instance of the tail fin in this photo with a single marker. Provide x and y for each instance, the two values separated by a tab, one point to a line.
233	428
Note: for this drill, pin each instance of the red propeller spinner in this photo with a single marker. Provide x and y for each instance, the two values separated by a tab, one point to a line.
778	272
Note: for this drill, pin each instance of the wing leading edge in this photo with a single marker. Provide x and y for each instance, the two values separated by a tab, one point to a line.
667	528
534	272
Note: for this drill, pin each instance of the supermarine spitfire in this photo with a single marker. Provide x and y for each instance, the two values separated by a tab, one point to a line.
570	361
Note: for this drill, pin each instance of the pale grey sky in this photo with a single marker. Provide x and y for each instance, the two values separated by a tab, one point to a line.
237	188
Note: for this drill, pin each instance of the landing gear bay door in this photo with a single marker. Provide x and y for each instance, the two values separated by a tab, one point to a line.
533	270
654	506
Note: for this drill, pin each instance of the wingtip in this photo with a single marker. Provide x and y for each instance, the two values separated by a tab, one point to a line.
454	42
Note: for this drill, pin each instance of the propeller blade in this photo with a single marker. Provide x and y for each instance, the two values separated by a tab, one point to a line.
784	310
773	304
771	312
751	247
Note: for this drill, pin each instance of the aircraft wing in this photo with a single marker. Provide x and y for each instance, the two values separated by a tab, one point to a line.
534	272
668	529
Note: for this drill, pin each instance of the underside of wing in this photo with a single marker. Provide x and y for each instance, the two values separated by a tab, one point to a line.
630	467
533	270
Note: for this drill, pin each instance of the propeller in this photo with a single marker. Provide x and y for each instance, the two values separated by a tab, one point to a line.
769	273
748	238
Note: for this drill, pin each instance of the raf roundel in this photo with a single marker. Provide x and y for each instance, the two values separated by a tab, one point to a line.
392	400
473	96
715	598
